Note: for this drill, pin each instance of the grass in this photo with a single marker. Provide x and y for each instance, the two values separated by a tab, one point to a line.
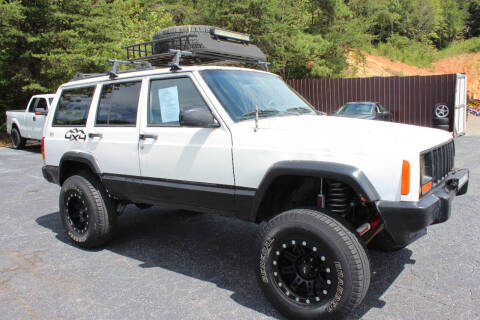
418	54
460	47
4	139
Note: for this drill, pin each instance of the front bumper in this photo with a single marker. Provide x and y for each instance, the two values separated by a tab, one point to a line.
407	221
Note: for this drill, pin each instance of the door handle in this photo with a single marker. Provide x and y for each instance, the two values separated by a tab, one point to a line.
95	135
34	118
144	136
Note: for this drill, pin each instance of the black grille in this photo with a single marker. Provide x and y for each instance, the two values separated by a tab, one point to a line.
443	158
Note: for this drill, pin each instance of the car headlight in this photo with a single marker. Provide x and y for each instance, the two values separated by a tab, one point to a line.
426	172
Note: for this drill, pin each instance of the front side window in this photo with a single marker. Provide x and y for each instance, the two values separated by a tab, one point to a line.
356	108
31	107
42	104
73	106
242	93
169	97
118	104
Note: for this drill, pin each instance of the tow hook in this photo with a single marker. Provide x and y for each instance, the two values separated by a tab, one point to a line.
367	226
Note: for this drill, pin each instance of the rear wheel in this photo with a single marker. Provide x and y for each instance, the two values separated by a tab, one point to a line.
17	141
311	266
87	213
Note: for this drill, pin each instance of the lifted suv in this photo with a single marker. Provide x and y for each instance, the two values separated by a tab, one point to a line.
241	143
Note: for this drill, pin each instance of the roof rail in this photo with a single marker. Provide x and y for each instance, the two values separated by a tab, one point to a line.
113	73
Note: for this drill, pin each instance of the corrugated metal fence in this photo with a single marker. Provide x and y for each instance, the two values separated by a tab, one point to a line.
410	99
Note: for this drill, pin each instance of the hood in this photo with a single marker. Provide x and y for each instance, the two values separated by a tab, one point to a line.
345	134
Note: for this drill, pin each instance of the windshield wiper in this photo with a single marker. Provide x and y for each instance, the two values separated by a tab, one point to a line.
260	112
299	110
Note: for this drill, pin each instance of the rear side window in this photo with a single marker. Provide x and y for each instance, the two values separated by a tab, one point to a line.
73	106
118	104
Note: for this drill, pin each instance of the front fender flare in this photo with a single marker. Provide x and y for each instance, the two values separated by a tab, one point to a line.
347	174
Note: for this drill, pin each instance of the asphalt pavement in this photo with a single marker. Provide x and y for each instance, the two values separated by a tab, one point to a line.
167	264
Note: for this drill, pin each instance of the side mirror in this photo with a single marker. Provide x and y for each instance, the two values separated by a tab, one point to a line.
198	117
41	112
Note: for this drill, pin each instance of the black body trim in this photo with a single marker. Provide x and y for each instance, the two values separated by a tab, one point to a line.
407	221
51	174
205	197
350	175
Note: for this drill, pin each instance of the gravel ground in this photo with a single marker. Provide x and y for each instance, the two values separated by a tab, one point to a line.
172	265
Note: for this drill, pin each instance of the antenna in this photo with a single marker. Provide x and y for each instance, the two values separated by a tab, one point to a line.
256	119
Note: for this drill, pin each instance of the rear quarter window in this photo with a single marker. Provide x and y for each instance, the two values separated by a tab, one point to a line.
73	106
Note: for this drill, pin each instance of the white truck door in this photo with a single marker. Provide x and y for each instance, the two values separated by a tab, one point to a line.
113	127
29	121
38	119
183	165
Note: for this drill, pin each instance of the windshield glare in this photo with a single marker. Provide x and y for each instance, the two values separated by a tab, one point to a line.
241	92
356	108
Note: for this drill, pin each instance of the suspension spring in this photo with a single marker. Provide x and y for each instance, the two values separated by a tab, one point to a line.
337	198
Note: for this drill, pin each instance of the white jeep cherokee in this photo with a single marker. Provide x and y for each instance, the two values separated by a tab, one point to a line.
241	143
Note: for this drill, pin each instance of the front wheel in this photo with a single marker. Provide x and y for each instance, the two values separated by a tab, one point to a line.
311	266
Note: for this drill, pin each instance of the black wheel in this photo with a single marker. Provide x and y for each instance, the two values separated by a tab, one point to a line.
17	141
441	121
441	110
87	213
311	266
445	127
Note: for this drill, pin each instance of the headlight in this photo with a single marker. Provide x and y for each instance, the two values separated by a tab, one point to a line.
426	172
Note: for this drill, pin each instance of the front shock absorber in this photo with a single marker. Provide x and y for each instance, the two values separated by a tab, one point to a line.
337	198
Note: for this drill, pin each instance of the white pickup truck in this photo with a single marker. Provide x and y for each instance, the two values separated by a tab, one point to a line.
29	123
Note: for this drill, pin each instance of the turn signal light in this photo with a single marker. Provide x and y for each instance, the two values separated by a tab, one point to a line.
426	187
405	190
43	149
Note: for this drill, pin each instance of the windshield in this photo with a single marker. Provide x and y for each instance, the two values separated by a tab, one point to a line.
243	92
356	108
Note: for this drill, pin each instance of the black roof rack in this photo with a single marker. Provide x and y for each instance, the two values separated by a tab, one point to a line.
210	45
188	45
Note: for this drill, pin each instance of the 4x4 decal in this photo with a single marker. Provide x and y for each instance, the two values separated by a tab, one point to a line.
75	135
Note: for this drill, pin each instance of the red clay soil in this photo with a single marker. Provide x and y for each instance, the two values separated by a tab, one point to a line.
381	66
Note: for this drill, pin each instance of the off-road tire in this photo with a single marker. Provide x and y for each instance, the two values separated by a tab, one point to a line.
181	29
441	121
17	141
101	217
445	127
175	38
341	265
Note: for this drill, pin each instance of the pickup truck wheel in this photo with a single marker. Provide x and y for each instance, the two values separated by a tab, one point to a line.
17	141
87	213
311	266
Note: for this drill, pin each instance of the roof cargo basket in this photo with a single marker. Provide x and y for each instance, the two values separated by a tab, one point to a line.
191	45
